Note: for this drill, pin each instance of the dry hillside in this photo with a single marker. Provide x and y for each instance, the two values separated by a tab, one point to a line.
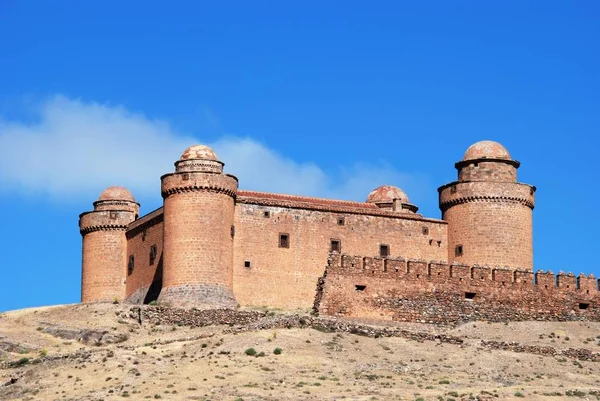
110	352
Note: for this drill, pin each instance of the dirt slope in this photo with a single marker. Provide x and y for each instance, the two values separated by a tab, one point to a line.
103	352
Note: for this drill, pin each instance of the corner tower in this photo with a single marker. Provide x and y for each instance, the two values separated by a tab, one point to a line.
104	250
198	232
489	213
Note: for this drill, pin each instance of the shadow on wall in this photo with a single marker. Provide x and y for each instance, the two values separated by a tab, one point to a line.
156	286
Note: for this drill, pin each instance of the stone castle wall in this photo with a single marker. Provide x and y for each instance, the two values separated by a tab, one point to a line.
267	274
145	246
434	292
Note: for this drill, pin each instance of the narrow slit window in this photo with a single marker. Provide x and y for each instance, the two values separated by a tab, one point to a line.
152	254
384	251
359	287
425	230
336	246
458	251
284	240
130	265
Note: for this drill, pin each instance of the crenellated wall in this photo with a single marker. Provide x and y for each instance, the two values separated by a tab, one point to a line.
436	292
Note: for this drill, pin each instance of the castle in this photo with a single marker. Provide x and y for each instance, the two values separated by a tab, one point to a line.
213	245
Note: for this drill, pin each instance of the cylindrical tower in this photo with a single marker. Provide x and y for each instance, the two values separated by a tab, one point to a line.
198	232
104	249
489	213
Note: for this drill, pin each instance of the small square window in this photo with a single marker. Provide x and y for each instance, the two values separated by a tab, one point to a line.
384	251
185	176
113	215
458	251
247	263
425	230
130	265
469	295
284	240
152	254
583	305
341	221
266	214
359	287
336	246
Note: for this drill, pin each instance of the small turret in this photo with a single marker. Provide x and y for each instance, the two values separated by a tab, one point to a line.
198	232
489	213
388	197
104	249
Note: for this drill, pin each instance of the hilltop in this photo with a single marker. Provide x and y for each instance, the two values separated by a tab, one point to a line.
110	352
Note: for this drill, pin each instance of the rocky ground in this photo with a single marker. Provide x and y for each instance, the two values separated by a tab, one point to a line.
109	352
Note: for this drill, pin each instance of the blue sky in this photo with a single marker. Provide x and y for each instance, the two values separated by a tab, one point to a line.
317	98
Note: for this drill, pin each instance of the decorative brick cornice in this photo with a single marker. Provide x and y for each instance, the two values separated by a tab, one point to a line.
486	198
103	227
198	188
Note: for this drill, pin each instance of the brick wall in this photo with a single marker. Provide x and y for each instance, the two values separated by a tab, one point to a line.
287	277
416	291
145	281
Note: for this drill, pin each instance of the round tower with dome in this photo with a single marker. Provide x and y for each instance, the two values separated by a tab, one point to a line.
489	213
104	249
199	201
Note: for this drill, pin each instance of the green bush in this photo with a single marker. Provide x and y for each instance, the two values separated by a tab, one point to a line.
277	351
250	352
519	394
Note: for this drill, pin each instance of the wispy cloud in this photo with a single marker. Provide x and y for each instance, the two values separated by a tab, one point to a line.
74	149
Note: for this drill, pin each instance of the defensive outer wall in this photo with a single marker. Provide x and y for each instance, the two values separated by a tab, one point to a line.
434	292
212	245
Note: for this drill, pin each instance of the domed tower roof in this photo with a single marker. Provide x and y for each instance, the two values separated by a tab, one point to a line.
486	150
388	197
199	158
116	194
199	152
387	194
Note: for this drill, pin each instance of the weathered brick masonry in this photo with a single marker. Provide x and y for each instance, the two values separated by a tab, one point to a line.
433	292
213	245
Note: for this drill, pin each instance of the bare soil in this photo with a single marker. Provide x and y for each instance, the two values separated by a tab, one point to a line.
173	362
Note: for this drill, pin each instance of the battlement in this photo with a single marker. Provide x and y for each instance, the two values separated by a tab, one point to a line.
400	268
438	292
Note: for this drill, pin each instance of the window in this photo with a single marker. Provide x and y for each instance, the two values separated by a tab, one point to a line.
384	251
152	254
358	287
453	189
144	234
185	176
583	306
336	246
458	251
266	214
247	263
113	215
284	240
130	265
232	231
425	230
341	221
469	295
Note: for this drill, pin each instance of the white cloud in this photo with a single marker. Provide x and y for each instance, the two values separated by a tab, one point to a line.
76	149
